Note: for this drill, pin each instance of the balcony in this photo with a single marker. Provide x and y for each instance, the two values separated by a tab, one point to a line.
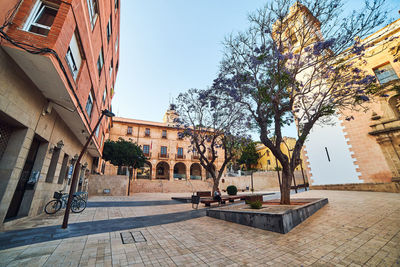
163	156
180	157
147	155
196	157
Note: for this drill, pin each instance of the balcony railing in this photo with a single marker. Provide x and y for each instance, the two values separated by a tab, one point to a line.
163	156
195	157
148	155
180	157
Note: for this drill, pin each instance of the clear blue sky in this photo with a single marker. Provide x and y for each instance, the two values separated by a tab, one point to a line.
170	46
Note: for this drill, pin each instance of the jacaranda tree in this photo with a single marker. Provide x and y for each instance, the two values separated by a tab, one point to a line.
212	124
298	62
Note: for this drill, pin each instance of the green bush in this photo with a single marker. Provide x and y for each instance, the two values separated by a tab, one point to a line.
231	190
256	204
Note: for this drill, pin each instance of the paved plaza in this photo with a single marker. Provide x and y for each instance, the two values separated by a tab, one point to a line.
354	229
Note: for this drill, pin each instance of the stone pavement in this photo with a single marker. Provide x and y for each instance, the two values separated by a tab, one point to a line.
354	229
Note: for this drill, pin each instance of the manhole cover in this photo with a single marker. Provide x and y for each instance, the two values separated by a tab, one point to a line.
132	237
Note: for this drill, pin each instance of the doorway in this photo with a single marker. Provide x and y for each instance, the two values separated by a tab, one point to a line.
16	201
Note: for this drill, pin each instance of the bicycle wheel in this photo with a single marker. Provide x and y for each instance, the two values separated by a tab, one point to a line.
78	205
53	206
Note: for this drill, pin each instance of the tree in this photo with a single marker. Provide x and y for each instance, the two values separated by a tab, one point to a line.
124	153
212	125
298	62
249	155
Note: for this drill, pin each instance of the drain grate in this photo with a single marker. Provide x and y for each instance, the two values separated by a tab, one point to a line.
132	237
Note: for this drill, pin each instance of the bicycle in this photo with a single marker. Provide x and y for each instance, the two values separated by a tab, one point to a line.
78	203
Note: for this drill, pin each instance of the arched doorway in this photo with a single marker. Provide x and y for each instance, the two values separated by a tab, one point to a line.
209	174
144	172
195	171
162	170
179	171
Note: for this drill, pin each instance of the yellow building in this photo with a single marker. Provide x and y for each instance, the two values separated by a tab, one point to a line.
267	161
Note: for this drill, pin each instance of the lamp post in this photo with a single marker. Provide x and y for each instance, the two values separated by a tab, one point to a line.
75	175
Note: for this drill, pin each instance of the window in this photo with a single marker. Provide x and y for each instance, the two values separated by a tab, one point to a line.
146	150
116	5
73	56
269	162
109	30
180	152
41	18
116	45
111	68
102	140
163	151
147	132
129	130
116	67
104	95
89	104
92	8
180	135
100	61
97	131
385	73
164	134
267	152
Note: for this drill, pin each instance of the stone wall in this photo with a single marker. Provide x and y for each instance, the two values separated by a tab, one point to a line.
117	184
261	181
393	187
164	186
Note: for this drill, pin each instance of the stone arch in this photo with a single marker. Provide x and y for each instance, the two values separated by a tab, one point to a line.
180	171
195	171
144	172
394	104
162	170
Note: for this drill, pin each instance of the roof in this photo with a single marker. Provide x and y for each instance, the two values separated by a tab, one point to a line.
142	122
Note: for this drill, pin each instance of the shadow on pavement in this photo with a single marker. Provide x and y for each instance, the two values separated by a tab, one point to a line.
18	238
98	204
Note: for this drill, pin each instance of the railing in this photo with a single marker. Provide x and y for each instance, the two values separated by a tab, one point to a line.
195	177
178	157
163	156
179	176
148	155
197	157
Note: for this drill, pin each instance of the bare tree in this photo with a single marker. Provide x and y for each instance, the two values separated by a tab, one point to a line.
299	61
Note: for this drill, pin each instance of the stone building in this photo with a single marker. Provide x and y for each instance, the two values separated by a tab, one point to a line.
169	155
58	65
267	160
363	147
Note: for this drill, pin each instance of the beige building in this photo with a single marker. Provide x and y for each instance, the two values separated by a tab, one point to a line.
169	155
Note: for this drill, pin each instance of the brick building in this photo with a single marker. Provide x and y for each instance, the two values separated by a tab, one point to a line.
169	155
58	65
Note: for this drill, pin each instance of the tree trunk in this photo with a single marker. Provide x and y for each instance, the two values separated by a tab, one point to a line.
285	188
215	186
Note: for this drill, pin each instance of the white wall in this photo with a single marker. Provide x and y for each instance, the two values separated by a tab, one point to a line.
341	168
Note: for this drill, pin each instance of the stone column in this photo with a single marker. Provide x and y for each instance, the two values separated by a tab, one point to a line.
187	171
171	172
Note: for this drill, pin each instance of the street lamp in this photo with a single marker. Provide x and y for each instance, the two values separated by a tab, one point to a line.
106	113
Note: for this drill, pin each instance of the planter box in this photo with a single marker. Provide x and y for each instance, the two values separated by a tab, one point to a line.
276	218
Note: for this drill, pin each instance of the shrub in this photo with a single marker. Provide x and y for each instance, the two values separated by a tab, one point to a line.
231	190
256	204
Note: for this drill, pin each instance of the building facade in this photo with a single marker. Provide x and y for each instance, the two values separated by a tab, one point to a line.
169	154
364	147
267	160
58	65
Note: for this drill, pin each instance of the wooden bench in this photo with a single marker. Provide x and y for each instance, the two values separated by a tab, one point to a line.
203	193
300	186
232	198
207	202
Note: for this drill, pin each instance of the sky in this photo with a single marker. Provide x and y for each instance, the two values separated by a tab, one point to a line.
168	47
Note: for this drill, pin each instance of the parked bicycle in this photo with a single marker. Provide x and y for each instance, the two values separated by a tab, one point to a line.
78	203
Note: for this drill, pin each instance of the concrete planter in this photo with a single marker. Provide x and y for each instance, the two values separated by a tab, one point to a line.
281	221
